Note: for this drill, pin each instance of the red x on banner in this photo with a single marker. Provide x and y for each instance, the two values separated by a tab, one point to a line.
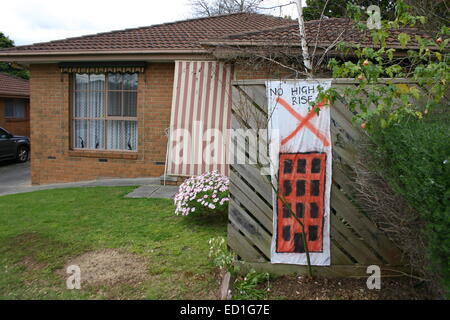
304	122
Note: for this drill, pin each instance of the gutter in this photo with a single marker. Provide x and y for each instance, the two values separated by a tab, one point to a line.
93	51
95	55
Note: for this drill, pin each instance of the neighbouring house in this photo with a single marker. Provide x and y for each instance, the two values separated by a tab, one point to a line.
102	104
14	104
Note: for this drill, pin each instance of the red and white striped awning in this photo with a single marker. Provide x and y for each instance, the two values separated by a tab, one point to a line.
201	105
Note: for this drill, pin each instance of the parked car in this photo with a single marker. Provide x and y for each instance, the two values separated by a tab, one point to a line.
14	147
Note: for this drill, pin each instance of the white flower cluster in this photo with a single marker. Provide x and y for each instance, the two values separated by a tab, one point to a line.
209	190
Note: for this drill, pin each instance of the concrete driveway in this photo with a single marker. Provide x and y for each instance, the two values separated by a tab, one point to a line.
14	176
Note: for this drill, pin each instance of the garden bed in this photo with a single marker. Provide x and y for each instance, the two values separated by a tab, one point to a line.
304	288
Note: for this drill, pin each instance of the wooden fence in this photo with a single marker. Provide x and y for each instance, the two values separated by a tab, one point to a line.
356	241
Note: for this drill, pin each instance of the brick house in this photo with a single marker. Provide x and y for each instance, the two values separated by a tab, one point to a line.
102	104
14	104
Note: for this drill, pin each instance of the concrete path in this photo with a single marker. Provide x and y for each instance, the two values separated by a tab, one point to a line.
16	178
93	183
154	191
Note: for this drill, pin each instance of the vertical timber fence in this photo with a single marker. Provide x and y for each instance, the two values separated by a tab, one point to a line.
356	241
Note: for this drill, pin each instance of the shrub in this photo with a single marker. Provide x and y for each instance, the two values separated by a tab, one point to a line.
251	286
414	157
221	256
248	287
206	193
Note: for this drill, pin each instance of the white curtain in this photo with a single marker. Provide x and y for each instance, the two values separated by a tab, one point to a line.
122	135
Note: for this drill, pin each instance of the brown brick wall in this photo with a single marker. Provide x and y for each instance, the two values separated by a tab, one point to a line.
17	127
53	161
51	157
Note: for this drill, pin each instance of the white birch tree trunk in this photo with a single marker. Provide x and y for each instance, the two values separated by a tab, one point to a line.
303	43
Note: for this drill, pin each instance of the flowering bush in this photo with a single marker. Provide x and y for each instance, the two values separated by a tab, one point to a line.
208	192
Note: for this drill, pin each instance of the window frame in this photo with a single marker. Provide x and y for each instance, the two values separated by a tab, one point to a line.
106	117
14	105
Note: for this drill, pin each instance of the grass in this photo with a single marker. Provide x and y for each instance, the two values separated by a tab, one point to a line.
41	231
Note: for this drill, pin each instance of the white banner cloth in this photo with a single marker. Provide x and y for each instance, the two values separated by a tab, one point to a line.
300	154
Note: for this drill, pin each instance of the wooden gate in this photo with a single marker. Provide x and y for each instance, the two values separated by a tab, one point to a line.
356	242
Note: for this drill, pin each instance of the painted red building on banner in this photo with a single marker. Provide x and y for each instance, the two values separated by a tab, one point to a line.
302	183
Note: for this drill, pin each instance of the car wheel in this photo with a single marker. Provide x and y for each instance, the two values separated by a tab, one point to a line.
22	154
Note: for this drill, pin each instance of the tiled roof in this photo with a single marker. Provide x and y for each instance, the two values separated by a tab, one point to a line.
13	86
324	33
192	36
181	35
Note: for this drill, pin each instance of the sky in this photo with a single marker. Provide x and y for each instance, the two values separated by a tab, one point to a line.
33	21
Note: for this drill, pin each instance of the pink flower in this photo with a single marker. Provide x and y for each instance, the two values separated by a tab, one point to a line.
197	190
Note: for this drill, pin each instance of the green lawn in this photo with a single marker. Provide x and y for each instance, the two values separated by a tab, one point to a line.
41	231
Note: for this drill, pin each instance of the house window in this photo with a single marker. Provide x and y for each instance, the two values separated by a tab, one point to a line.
15	109
104	115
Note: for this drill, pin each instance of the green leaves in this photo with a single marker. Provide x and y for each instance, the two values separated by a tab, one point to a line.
390	54
5	42
413	156
415	92
393	70
220	255
379	36
8	68
391	101
404	39
354	12
421	19
248	288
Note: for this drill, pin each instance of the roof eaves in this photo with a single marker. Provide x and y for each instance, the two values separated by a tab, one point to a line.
100	52
8	94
